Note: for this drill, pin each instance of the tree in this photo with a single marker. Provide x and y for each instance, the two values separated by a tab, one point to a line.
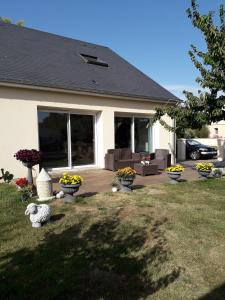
196	133
9	21
208	106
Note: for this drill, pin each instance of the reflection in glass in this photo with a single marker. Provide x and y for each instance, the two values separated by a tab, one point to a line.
82	139
123	132
142	134
53	139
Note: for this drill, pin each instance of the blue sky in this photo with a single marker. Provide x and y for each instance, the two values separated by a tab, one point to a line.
155	36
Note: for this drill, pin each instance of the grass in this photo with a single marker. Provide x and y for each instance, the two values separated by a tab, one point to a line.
160	242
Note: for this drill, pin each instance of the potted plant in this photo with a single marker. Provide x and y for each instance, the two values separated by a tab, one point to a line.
24	189
125	177
70	184
29	158
204	169
217	173
174	173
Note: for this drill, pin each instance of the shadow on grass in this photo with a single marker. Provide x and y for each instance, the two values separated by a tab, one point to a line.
137	186
57	217
216	294
103	262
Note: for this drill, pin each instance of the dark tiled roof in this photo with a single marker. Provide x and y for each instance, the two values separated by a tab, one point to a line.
37	58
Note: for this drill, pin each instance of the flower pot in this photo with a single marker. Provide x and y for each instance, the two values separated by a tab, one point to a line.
174	176
69	190
204	174
126	183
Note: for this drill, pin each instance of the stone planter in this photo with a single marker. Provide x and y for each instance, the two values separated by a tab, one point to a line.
125	184
204	174
69	190
29	166
174	176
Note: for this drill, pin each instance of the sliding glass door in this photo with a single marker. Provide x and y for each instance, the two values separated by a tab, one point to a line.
142	134
134	133
82	139
53	139
123	132
65	139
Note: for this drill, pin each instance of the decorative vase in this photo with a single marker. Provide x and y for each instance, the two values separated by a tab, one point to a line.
69	190
125	184
29	166
174	176
204	175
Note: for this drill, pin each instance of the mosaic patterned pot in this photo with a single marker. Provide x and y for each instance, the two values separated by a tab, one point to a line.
126	184
174	176
69	190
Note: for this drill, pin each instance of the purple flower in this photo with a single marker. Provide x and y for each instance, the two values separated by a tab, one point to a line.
26	155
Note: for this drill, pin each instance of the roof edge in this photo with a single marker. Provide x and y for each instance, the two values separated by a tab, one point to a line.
89	92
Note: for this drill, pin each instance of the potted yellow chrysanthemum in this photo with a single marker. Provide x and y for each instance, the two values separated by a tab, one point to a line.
174	173
204	169
125	177
70	184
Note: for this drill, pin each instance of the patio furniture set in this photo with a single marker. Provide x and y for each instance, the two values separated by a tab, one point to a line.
122	158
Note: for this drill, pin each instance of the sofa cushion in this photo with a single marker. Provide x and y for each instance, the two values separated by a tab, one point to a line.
126	153
116	152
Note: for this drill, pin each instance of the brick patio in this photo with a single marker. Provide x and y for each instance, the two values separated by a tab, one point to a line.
98	181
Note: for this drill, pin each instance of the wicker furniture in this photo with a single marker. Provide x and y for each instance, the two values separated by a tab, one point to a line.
121	158
162	158
144	170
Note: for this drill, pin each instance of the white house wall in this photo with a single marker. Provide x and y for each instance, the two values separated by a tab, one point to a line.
19	122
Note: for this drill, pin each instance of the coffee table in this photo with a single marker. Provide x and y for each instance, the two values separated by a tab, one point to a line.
144	170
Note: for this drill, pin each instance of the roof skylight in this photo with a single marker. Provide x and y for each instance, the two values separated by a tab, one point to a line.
94	60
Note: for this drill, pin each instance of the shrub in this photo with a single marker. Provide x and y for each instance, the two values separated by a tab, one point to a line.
6	176
21	182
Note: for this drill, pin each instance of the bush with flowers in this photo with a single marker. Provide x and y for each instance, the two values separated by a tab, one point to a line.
28	156
126	173
24	188
67	179
21	182
205	167
176	168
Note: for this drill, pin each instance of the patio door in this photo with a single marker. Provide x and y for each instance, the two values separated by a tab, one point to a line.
82	139
142	135
66	140
123	132
134	133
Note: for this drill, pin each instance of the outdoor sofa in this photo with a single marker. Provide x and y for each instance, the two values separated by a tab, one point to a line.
121	158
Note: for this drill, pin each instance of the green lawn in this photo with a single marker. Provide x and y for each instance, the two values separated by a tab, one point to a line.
160	242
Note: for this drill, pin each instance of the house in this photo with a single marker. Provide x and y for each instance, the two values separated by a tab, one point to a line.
217	130
73	100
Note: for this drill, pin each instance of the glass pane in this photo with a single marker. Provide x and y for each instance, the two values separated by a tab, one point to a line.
123	132
53	139
82	139
142	134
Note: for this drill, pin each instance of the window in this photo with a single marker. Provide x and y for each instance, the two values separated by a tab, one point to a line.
66	139
134	133
216	131
94	60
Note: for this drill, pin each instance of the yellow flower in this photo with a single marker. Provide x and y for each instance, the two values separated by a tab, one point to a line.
70	179
176	168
